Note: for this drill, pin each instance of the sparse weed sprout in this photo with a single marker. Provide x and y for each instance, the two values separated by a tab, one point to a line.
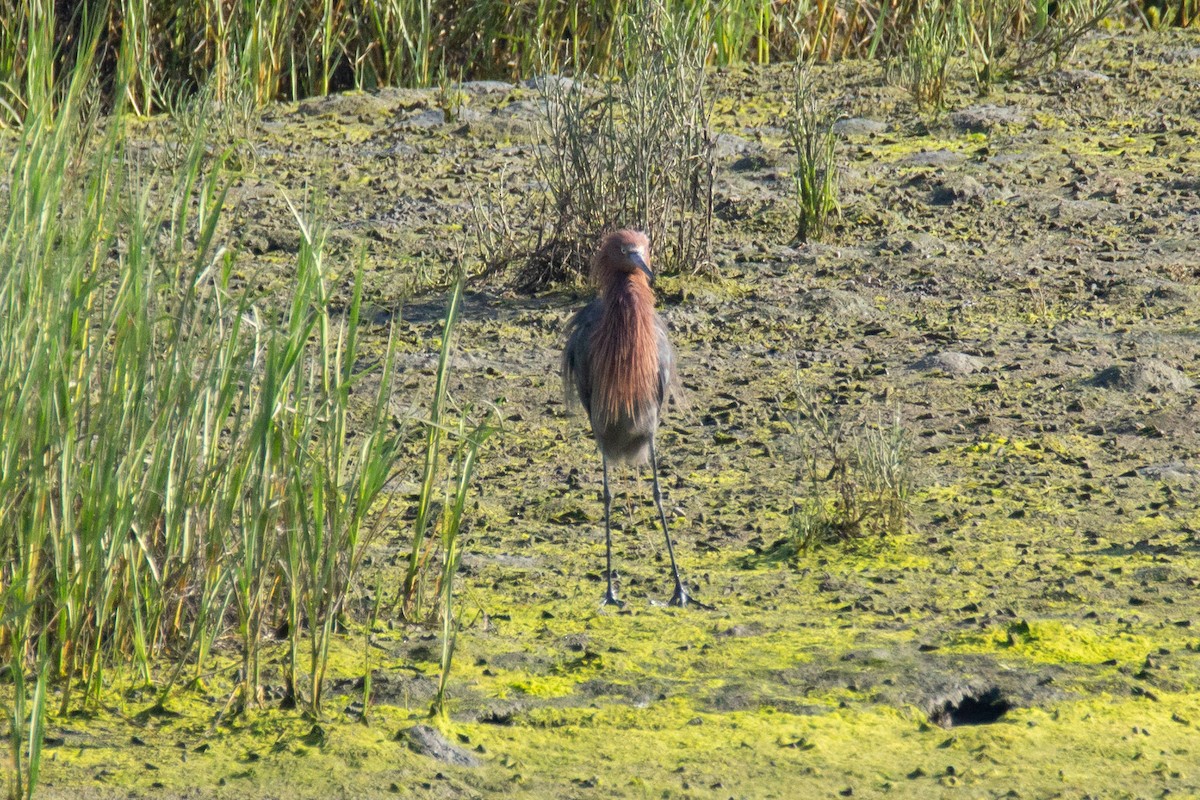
856	475
923	64
1004	37
1054	27
996	39
815	172
635	151
450	96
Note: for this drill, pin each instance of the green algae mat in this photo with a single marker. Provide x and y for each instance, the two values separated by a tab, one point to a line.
1017	276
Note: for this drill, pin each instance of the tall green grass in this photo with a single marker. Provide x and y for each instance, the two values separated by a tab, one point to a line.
288	49
190	473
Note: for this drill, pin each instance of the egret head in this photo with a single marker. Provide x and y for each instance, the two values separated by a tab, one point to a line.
624	252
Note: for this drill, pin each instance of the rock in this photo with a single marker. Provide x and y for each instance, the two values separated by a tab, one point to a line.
1144	375
485	87
428	741
1174	470
957	189
727	145
859	126
933	158
423	119
552	84
981	119
838	303
950	362
1077	78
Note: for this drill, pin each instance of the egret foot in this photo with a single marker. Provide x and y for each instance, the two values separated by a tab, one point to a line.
682	599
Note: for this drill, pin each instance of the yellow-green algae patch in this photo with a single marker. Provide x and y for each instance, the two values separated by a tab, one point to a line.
1116	745
1055	642
262	753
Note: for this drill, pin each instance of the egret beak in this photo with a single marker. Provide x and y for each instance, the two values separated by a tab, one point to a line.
637	259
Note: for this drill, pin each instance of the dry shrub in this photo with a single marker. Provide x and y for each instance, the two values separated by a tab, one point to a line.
635	151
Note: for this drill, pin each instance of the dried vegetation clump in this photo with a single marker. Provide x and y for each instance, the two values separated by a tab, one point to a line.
634	150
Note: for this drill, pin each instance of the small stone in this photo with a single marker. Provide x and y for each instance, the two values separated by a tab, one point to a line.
727	145
859	126
934	158
553	84
1144	375
485	87
981	119
428	741
957	189
424	118
1076	78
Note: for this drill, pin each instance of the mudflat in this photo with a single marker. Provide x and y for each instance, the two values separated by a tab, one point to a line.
1017	277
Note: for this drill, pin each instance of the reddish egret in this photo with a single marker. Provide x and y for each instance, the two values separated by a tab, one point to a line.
619	365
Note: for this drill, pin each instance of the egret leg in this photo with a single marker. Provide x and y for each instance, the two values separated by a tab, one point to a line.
610	596
680	597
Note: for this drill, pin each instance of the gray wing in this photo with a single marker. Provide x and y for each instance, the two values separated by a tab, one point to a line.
668	378
576	376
